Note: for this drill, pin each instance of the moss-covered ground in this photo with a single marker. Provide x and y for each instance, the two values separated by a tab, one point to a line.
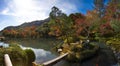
78	52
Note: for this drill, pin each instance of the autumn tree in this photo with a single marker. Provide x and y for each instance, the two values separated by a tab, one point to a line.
61	24
112	15
43	30
80	25
21	32
94	21
112	10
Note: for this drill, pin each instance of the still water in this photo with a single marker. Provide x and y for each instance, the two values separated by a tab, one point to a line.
44	51
43	48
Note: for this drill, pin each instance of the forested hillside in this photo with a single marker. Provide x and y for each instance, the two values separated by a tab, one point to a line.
103	21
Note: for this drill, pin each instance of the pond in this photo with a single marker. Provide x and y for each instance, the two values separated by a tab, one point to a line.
44	51
43	48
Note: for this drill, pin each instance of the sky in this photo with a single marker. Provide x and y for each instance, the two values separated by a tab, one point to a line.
16	12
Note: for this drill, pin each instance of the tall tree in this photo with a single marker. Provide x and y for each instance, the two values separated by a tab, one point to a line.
112	10
56	12
61	24
100	7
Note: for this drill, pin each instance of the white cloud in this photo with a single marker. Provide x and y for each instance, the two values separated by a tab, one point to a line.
5	11
68	7
29	10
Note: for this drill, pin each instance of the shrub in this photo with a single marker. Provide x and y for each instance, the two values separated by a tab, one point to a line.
17	55
30	55
78	52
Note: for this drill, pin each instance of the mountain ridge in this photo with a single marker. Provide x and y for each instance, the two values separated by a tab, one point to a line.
28	24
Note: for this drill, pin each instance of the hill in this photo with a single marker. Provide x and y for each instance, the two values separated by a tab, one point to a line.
28	24
29	29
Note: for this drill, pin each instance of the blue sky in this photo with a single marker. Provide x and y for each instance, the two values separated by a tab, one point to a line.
16	12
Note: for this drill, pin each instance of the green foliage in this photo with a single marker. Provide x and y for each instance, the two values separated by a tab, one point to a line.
115	25
103	20
114	43
70	40
43	30
78	52
60	24
55	13
74	57
95	23
17	54
30	55
103	24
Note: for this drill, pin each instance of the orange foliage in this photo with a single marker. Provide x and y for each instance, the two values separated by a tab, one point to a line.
23	32
80	23
106	28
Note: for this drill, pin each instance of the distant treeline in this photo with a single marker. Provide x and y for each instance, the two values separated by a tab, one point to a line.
103	21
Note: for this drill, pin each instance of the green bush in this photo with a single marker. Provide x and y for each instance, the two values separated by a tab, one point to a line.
78	52
30	55
114	43
17	55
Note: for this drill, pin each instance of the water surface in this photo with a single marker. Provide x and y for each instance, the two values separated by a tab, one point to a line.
44	51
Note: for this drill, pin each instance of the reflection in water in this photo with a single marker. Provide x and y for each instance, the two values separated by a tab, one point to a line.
104	57
43	48
4	45
42	43
41	54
